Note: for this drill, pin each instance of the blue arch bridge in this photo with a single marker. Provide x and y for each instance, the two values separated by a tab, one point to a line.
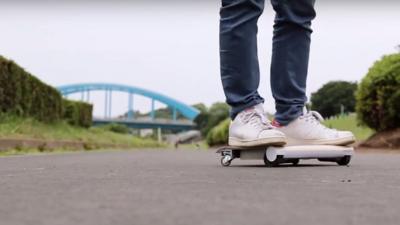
188	112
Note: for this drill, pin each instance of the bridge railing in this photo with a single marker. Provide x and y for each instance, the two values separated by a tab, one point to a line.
176	106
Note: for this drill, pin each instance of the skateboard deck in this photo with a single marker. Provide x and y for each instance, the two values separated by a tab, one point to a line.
239	148
273	155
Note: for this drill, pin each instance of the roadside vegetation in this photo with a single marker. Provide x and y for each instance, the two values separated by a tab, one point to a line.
378	96
334	98
24	95
211	117
35	117
219	134
14	127
350	123
378	102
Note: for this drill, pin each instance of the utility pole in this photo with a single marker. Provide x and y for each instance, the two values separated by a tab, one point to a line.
341	110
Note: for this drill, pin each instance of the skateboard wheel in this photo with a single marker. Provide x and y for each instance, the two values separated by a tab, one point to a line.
344	161
226	160
269	163
295	162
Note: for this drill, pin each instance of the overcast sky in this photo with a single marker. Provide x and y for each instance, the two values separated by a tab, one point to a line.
172	46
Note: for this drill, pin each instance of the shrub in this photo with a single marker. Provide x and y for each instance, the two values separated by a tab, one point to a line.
378	95
116	128
334	95
219	134
77	113
23	94
209	118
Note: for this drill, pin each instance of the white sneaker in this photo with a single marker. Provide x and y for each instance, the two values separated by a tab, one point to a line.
251	128
308	130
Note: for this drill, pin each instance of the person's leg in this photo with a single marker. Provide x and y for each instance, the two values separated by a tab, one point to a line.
290	54
238	53
240	75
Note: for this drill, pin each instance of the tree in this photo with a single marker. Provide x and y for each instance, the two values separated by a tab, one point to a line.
334	97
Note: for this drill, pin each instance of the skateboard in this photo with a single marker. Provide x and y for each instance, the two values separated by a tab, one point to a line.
274	156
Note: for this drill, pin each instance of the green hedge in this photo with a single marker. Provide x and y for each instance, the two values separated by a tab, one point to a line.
77	113
23	94
378	95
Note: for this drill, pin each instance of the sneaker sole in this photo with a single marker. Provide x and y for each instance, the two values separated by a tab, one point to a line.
275	141
340	141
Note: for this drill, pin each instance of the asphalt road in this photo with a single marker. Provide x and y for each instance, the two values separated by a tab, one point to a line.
190	187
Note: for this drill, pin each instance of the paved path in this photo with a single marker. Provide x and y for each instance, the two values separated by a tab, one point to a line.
190	187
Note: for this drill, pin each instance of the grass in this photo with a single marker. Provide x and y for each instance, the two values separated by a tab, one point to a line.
27	128
33	151
349	122
201	145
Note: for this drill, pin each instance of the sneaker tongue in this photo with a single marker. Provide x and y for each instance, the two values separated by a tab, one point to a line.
264	119
256	110
260	111
259	108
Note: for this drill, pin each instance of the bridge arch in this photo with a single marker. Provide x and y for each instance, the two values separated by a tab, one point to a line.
187	111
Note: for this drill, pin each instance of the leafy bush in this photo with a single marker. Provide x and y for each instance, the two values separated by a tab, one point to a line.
209	118
23	94
334	95
117	128
219	134
77	113
378	96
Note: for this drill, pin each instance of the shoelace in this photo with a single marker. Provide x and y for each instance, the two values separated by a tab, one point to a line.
257	119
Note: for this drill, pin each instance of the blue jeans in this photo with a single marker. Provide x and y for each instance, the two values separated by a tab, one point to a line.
240	72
